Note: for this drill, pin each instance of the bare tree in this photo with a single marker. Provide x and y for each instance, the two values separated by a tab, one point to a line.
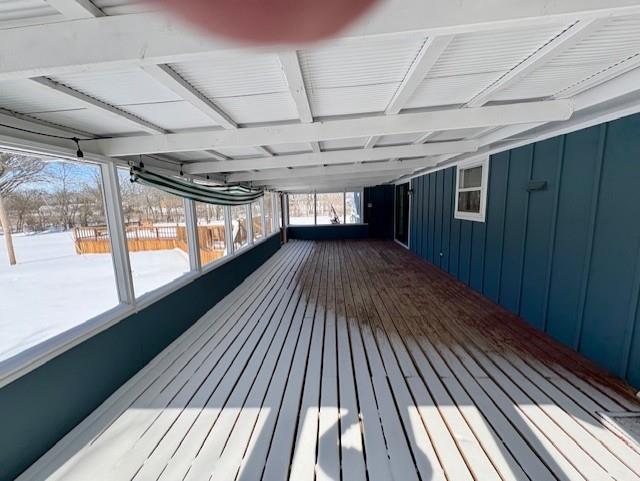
15	171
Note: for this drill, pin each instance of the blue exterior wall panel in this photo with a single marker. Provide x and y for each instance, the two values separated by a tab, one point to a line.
565	258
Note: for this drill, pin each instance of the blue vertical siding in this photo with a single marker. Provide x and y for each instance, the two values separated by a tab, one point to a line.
565	258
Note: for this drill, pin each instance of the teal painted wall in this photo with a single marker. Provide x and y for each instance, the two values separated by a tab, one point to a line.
328	232
566	259
39	408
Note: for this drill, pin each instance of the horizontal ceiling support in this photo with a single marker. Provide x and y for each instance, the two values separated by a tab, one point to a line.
333	157
516	113
153	38
310	172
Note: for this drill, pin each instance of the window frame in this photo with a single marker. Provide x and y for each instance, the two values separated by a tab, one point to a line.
315	206
31	358
484	180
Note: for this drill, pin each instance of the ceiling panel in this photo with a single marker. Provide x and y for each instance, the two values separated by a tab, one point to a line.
17	12
26	96
352	62
172	115
493	51
450	90
351	100
93	121
271	107
122	87
234	75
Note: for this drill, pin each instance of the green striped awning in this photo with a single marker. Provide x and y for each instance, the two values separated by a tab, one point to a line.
231	195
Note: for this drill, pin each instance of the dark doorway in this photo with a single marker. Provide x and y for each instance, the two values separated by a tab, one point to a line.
402	213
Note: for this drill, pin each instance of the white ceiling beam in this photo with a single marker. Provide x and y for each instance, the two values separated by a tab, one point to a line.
372	141
333	157
290	64
96	104
563	42
120	41
293	75
429	54
73	9
263	150
174	82
391	165
338	129
427	57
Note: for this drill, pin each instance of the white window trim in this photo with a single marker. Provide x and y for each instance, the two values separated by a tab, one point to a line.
33	357
315	207
481	216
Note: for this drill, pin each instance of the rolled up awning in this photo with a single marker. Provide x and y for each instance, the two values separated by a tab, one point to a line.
228	195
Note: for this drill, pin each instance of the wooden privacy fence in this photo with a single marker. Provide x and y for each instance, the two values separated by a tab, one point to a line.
95	240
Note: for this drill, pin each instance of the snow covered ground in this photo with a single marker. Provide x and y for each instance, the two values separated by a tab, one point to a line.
52	289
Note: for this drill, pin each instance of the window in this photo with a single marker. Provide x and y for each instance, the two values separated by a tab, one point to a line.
156	234
353	208
239	226
268	212
301	209
330	208
56	268
256	217
471	190
211	232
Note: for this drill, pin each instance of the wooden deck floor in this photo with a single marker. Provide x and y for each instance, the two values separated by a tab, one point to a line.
354	361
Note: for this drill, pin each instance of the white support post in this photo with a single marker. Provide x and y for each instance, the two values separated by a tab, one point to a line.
264	230
249	224
228	230
315	208
344	206
117	233
193	242
275	199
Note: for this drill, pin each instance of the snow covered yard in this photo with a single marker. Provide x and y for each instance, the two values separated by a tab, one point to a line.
52	289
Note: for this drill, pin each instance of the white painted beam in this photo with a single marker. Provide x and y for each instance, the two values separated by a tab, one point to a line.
73	9
93	103
293	75
333	157
174	82
152	38
263	151
545	111
356	169
563	42
290	64
425	60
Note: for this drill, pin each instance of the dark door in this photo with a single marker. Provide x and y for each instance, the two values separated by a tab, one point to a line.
402	213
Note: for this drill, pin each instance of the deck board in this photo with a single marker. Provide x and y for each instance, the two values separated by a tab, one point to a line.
354	360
